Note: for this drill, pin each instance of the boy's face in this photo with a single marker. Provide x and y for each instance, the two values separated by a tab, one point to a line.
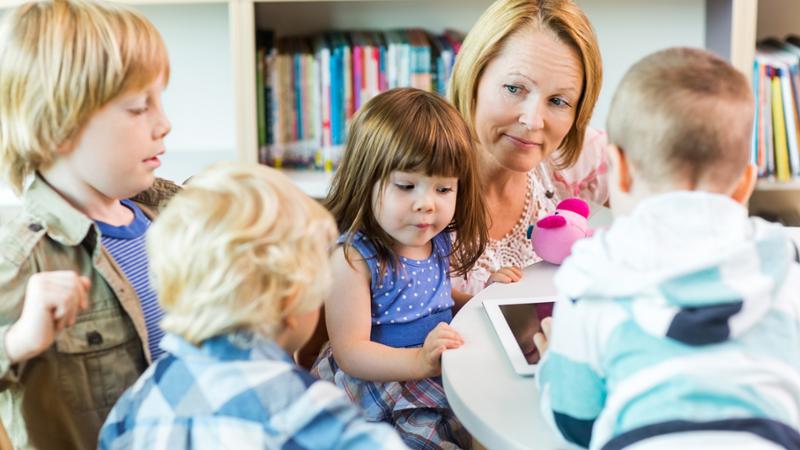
116	153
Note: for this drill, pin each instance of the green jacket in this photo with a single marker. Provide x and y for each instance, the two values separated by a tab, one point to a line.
59	399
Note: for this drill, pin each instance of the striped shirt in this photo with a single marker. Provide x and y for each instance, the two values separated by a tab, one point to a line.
679	327
126	244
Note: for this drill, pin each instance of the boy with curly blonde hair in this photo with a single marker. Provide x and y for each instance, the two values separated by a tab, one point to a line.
240	261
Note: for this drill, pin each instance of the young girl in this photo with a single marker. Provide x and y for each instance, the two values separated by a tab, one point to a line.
407	182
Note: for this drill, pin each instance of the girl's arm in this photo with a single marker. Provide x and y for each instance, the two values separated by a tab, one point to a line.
348	315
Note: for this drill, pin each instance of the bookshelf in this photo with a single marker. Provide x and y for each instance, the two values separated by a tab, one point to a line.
772	199
211	99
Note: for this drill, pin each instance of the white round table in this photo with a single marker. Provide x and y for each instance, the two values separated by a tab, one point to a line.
499	407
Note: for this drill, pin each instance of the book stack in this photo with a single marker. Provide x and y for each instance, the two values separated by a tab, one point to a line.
776	83
310	87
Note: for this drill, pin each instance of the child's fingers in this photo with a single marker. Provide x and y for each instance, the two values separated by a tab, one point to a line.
541	342
446	331
86	283
547	326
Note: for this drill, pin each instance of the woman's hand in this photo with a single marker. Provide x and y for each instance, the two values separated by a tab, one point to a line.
508	274
441	338
542	338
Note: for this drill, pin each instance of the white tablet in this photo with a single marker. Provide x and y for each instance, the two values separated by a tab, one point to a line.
516	320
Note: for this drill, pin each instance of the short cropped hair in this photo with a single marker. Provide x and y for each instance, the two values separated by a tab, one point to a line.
683	114
230	249
61	61
409	130
487	38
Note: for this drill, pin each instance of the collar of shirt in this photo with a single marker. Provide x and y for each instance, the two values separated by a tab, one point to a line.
239	346
63	222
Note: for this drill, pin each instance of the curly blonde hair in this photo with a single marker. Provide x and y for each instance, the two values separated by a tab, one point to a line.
231	248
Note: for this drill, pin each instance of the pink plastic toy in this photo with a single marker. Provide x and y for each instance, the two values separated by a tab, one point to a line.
552	236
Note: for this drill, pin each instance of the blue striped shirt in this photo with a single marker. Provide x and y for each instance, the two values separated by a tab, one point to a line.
126	244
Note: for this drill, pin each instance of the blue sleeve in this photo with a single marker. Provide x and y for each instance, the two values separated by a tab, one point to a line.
573	393
327	420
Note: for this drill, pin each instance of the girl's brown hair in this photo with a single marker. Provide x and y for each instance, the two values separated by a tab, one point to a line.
408	130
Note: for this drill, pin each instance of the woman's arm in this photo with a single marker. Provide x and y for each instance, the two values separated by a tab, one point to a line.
348	313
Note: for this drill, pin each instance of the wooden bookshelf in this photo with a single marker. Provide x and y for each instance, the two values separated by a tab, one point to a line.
211	98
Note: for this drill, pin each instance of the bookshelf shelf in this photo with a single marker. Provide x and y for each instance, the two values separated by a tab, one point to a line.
212	94
774	185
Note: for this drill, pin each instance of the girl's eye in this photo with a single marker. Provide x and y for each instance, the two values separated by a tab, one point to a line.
138	111
444	190
511	88
404	187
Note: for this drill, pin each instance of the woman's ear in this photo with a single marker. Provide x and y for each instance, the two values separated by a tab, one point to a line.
746	184
620	170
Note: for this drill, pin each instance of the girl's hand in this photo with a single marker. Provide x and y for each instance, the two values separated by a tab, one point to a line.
509	274
441	338
52	302
542	338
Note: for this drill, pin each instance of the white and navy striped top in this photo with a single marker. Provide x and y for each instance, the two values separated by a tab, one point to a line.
127	246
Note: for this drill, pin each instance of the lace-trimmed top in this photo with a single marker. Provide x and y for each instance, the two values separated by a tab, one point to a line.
587	179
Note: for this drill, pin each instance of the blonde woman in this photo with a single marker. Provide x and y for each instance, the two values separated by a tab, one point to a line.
526	80
240	260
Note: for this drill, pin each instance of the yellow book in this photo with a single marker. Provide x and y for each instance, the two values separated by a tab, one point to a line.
779	131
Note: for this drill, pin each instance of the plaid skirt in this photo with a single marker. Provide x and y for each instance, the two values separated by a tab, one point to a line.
418	409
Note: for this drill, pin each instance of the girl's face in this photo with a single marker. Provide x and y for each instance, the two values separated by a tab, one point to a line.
413	208
526	99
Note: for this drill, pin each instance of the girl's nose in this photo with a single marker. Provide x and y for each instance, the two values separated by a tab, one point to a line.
424	203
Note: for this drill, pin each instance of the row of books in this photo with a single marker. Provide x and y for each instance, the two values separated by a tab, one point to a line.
776	83
309	87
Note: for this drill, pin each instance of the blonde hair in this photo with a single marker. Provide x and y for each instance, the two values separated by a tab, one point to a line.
683	113
61	61
486	40
408	130
233	246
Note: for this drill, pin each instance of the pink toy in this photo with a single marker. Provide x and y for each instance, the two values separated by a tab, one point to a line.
552	236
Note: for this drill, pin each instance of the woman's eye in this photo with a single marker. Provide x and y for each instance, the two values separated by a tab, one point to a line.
558	101
511	88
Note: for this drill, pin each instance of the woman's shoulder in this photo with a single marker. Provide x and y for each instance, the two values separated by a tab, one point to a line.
588	177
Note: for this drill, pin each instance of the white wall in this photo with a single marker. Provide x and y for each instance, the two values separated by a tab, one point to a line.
630	29
199	98
778	18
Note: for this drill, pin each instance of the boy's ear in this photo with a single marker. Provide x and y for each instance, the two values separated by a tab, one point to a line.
289	320
746	184
620	167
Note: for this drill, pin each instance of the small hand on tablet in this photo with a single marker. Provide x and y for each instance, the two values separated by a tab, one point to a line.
542	338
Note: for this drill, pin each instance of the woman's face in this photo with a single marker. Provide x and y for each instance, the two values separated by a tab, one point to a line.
527	97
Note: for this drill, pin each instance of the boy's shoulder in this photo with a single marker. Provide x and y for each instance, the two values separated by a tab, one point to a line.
18	237
158	194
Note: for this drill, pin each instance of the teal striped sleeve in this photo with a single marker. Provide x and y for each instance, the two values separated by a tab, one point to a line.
573	392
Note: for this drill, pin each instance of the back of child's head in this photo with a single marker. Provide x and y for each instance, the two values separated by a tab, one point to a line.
61	61
683	116
231	248
408	130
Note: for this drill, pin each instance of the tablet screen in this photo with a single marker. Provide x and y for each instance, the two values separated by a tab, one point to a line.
523	320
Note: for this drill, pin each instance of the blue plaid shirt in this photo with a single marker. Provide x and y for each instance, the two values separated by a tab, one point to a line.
241	392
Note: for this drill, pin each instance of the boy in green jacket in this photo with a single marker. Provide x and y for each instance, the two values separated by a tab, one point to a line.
81	129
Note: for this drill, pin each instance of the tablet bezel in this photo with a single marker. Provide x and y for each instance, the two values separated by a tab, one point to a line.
503	331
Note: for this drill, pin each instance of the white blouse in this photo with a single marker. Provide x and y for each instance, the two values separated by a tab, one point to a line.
587	179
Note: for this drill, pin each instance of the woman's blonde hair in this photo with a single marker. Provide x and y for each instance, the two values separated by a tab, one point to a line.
233	247
61	61
408	130
485	42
